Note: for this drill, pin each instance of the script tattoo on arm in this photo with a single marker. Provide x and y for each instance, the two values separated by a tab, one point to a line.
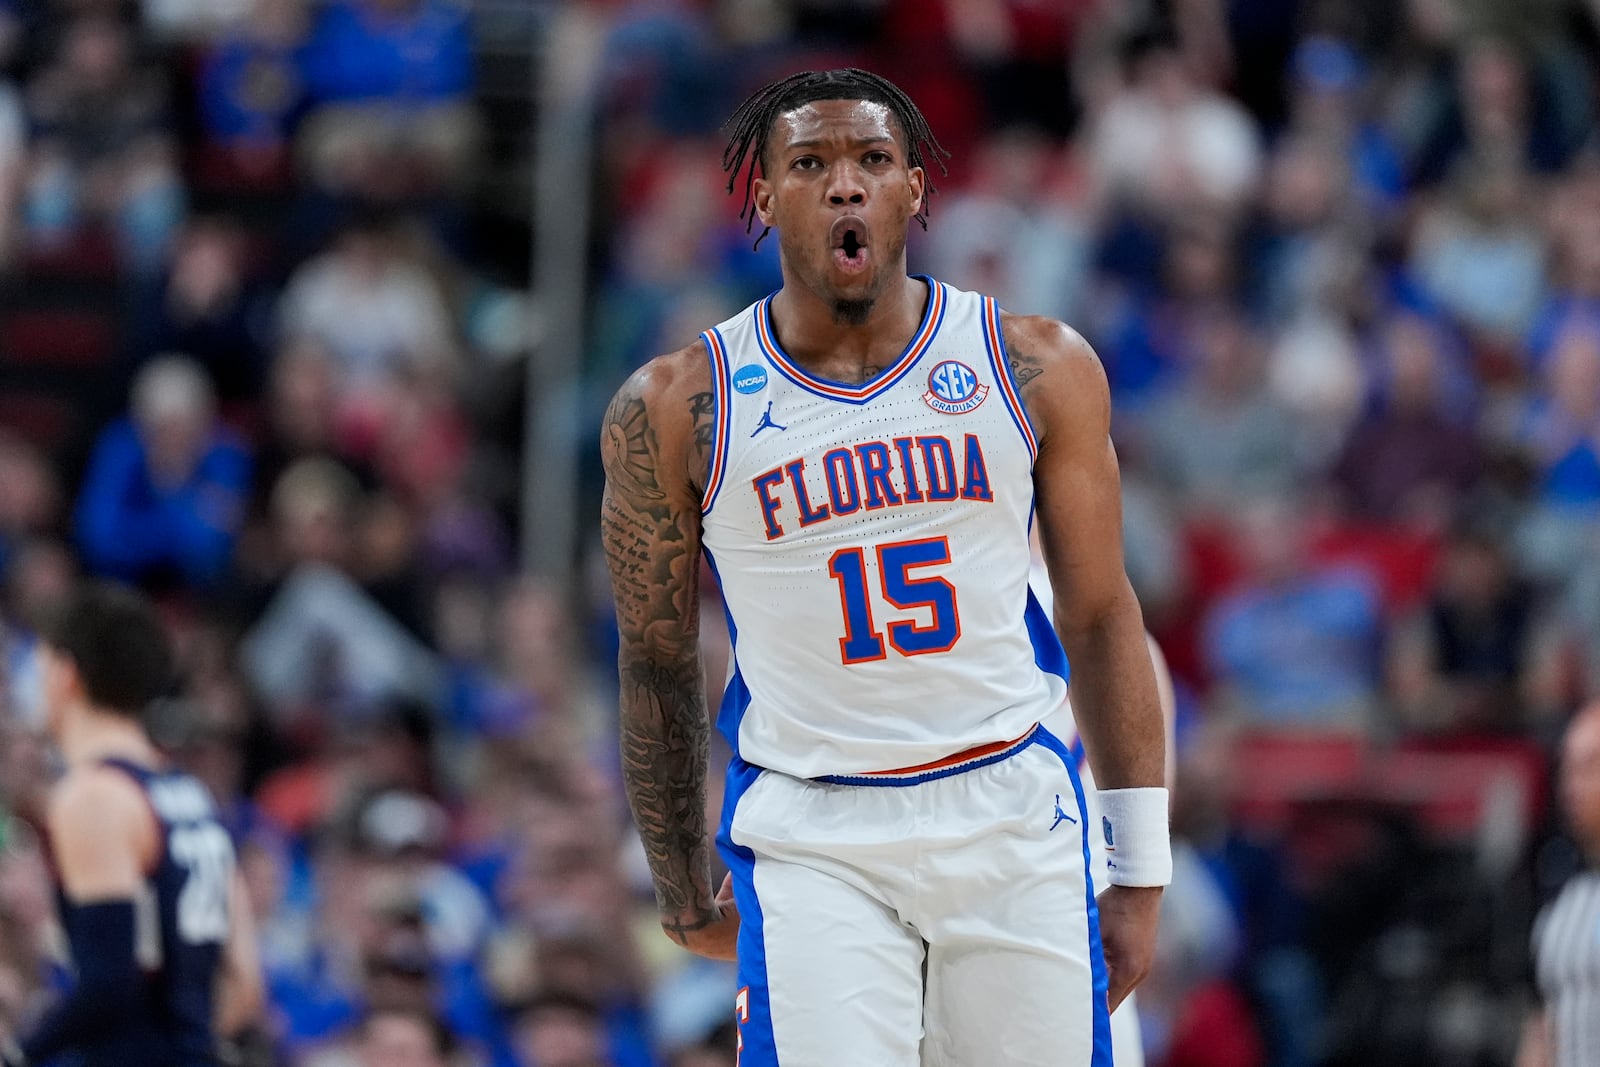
702	406
1028	353
1024	368
650	526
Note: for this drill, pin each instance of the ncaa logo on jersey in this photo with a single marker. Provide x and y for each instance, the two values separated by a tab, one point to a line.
954	389
749	379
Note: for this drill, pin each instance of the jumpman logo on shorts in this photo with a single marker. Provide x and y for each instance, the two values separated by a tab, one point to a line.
1061	816
766	422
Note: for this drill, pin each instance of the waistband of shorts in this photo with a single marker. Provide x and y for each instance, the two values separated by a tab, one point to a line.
966	760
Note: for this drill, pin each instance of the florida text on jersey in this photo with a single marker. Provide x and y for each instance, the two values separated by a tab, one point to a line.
872	545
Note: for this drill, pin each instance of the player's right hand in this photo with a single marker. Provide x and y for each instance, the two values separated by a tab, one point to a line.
716	938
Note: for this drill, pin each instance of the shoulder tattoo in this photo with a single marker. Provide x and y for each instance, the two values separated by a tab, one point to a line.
1024	368
630	448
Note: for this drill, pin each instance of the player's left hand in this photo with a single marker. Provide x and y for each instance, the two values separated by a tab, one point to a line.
717	939
1128	919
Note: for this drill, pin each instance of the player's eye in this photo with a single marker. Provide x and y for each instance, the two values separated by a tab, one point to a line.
878	156
806	163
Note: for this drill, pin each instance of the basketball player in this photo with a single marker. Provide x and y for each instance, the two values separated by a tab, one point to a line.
163	955
860	457
1566	939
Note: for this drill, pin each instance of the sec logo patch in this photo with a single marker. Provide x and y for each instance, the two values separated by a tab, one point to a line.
954	389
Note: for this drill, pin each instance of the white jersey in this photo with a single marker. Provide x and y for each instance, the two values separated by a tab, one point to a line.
872	546
1566	953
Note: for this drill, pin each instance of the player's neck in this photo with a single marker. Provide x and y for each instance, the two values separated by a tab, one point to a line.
91	736
812	332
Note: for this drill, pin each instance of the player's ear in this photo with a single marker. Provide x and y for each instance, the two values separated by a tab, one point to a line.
761	198
917	179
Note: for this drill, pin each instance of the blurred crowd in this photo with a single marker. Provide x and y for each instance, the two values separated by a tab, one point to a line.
1341	262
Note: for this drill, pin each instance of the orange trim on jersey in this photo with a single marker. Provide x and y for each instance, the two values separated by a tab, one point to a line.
720	378
1008	389
932	319
965	756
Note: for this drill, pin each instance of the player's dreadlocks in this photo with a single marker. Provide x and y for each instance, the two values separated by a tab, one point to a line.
752	123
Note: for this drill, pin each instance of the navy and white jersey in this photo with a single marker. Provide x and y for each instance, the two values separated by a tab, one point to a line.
1566	951
871	542
181	923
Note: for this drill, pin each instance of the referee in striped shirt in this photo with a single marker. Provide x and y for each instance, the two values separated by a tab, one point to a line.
1566	938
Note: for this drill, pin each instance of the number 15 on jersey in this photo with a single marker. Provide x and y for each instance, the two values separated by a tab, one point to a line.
925	596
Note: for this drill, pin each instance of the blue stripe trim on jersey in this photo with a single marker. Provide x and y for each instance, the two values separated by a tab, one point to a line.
736	696
921	341
994	340
721	416
759	1046
1079	754
1047	651
951	771
1097	956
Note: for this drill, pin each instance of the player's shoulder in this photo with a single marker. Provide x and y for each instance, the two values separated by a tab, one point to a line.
660	420
671	393
95	795
1048	343
1056	369
677	375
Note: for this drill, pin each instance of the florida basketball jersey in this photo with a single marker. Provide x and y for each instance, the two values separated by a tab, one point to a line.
871	542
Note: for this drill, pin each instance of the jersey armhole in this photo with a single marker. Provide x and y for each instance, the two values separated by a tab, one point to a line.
994	339
716	463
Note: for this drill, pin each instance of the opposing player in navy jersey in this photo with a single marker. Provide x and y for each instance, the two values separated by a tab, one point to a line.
859	458
162	951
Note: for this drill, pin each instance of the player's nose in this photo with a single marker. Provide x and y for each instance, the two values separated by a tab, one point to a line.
845	185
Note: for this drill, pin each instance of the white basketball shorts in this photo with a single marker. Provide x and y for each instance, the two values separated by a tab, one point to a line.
940	917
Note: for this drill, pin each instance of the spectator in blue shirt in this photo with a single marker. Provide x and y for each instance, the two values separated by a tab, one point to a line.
253	83
1297	646
165	490
408	51
391	84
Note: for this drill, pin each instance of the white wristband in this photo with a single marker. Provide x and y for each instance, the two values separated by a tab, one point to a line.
1133	825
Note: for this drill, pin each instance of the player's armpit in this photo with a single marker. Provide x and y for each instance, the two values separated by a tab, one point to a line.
102	834
654	444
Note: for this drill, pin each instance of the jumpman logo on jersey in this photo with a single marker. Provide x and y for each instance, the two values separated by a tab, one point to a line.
766	422
1061	816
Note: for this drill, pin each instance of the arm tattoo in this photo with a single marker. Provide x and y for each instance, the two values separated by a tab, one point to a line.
702	408
664	757
630	448
1024	369
652	550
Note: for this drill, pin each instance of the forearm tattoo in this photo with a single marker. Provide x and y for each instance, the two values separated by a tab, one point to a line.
652	550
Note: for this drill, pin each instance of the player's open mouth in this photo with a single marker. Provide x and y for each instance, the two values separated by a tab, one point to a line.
849	240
